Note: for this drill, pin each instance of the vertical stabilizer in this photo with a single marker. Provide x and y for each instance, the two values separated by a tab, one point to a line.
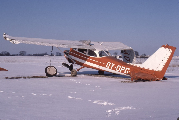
160	60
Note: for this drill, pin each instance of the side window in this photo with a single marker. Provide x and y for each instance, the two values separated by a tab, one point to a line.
74	49
92	53
83	50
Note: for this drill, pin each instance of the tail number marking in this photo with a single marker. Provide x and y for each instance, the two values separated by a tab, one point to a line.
118	68
110	65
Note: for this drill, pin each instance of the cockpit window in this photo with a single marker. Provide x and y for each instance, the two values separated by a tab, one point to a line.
92	52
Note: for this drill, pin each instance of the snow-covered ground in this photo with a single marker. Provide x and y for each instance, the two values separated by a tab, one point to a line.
82	97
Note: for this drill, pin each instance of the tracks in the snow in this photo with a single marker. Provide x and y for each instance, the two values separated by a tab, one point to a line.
127	80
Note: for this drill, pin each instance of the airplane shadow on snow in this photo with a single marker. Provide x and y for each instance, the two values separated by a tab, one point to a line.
172	76
96	73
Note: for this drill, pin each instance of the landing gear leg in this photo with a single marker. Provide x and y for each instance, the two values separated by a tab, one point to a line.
80	68
70	67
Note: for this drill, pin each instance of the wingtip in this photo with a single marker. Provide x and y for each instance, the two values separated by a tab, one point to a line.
4	34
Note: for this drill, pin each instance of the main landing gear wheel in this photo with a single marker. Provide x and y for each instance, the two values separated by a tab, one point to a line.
73	73
50	71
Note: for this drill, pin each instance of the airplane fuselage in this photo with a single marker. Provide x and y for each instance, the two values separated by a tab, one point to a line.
105	63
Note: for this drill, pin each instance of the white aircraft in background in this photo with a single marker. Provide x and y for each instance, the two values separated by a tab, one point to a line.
95	55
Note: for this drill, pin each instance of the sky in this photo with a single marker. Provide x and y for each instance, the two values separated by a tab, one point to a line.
144	25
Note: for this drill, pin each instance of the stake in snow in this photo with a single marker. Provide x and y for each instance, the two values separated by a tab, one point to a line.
95	55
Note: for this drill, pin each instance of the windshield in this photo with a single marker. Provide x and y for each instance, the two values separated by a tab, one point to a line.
102	53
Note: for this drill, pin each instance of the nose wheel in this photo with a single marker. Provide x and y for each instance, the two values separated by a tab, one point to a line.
73	73
50	71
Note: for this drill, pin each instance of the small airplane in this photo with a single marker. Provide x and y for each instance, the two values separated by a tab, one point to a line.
95	55
2	69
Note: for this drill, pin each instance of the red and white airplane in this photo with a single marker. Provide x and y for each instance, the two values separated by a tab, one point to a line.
2	69
95	55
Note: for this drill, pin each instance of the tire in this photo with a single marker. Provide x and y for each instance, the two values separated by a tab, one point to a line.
50	71
73	73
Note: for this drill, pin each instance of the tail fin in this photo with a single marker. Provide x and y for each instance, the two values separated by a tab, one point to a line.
160	60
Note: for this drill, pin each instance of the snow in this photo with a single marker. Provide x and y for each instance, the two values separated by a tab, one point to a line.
83	97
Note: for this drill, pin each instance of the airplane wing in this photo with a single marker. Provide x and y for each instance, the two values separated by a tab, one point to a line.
110	46
44	42
83	44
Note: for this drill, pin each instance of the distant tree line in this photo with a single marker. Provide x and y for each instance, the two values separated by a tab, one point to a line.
140	56
5	53
24	53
